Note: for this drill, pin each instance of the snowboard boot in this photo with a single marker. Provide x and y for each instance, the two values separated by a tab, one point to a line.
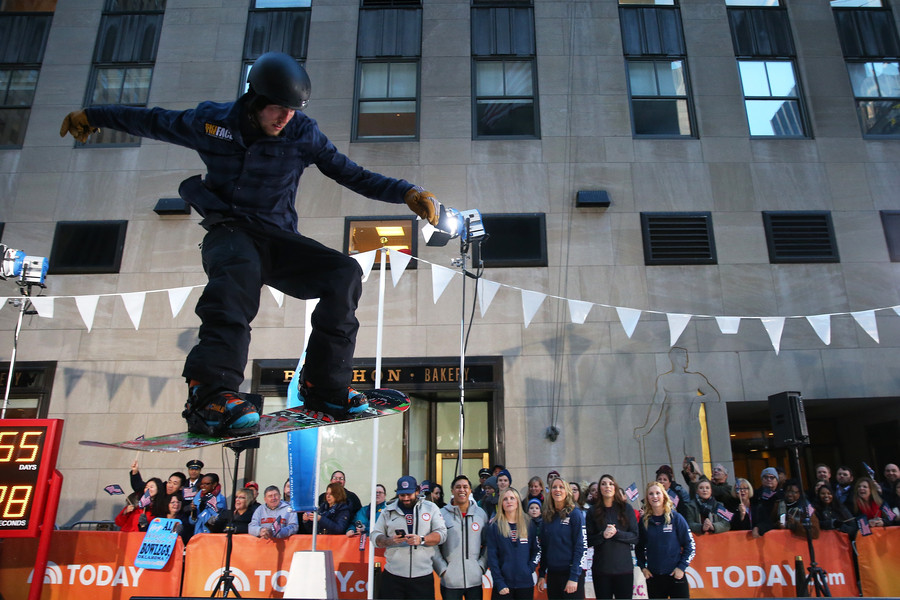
340	403
216	411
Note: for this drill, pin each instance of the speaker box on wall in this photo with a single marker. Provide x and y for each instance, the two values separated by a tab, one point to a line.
788	419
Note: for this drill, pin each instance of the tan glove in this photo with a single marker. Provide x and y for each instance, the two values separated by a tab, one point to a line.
424	204
77	124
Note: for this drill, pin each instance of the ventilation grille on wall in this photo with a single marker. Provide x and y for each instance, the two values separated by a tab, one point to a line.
800	236
681	238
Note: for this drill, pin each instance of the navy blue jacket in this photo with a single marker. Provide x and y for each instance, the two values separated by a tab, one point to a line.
563	544
661	547
512	564
258	181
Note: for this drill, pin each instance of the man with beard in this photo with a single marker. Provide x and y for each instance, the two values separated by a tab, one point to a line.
409	529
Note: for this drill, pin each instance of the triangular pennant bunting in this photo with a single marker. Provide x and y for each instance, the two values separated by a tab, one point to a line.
531	302
278	295
728	325
487	289
774	327
87	307
134	305
866	320
897	309
43	305
578	311
677	323
399	262
821	324
366	260
177	298
628	317
440	277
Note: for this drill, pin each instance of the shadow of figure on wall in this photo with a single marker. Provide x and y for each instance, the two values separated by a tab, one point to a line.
673	422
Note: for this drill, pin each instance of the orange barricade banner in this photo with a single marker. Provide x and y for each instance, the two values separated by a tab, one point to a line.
260	567
879	561
734	565
87	565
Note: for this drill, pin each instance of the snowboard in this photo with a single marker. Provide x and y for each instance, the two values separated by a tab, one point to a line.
382	402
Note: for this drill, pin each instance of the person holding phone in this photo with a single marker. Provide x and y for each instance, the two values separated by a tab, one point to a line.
408	528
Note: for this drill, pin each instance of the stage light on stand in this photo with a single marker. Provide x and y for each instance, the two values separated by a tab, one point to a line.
452	223
29	269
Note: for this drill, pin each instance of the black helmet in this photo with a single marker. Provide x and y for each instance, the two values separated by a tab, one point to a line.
279	78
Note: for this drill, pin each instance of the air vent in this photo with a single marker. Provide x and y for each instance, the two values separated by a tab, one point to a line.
800	237
678	238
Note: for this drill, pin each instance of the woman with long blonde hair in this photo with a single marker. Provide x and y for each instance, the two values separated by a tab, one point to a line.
563	544
513	551
665	545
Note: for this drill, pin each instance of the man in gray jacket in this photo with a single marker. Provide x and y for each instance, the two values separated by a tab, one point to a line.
461	560
409	528
274	519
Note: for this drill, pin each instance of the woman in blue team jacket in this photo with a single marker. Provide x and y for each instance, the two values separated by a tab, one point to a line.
333	515
665	546
513	550
563	544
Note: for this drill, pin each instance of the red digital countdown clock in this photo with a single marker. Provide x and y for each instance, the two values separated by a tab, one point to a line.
28	452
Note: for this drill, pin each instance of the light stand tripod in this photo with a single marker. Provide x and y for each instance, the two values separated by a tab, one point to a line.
465	243
25	287
225	583
817	575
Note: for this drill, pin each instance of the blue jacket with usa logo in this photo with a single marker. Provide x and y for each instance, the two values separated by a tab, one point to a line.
563	544
256	181
512	562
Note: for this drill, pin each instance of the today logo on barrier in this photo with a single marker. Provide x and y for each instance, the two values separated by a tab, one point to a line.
90	575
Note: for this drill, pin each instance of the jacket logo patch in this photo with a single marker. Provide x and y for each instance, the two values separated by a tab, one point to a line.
475	526
217	131
426	517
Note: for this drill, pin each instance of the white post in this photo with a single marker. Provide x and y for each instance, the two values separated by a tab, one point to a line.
372	502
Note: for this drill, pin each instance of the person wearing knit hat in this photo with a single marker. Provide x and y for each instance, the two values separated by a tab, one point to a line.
504	480
488	502
534	511
765	502
679	496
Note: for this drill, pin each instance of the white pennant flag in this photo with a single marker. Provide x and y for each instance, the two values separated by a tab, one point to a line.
177	298
44	306
677	323
277	294
134	305
629	319
822	326
3	302
311	305
487	289
399	262
897	310
366	260
774	327
866	320
578	310
87	307
531	302
728	325
440	277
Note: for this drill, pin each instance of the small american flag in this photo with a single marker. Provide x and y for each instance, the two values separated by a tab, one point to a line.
810	510
725	513
145	500
213	504
888	512
632	492
864	526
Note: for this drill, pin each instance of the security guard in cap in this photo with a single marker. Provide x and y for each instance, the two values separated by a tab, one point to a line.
192	485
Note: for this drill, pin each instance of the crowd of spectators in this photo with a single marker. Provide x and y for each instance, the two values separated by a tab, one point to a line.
563	519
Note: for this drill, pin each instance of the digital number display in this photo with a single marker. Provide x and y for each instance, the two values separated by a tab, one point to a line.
21	449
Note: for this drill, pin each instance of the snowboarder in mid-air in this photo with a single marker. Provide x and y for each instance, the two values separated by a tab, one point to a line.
255	150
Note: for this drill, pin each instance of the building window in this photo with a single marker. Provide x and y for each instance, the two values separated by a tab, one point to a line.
363	234
388	50
87	247
871	50
656	60
124	57
764	47
24	27
856	3
890	221
504	72
681	238
771	98
275	26
800	237
514	240
29	392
